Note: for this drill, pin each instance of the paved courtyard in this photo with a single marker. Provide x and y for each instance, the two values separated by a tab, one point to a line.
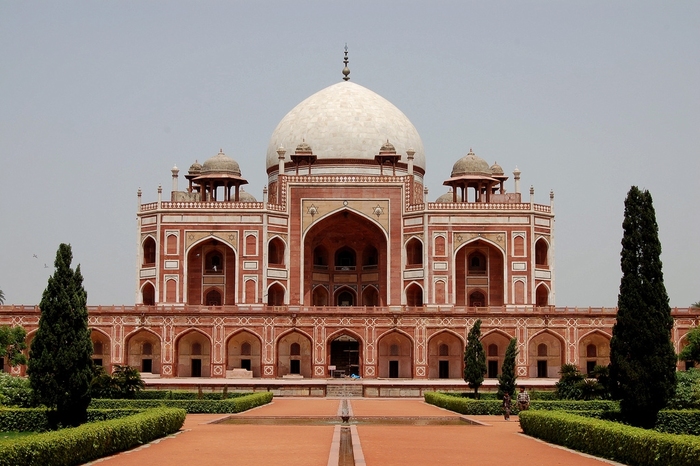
309	438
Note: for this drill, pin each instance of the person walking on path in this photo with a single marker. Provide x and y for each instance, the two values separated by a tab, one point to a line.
523	400
506	406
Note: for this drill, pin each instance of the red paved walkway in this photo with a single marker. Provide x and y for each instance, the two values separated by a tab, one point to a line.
497	443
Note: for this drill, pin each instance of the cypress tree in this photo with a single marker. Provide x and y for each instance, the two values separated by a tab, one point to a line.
474	359
642	359
507	379
60	359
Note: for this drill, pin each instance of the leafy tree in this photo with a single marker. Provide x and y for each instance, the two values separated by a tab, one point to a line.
474	359
695	304
507	379
12	343
692	351
60	358
642	359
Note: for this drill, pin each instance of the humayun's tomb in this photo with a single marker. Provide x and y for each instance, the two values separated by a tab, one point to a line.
344	266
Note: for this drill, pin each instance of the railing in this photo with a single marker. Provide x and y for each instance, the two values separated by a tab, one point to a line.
433	309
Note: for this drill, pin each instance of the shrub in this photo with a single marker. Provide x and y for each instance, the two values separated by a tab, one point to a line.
192	406
186	395
91	441
37	419
679	422
493	407
687	390
618	442
14	391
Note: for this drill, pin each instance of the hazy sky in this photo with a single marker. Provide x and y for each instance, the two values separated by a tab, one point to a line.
587	98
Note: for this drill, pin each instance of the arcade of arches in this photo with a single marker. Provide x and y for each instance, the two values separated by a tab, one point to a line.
346	353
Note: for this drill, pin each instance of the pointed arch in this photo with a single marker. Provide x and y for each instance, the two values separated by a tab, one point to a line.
542	253
236	355
135	356
542	295
294	364
148	293
345	296
546	366
206	258
414	294
148	251
497	340
276	294
191	362
344	348
445	355
276	251
414	252
395	354
488	267
593	350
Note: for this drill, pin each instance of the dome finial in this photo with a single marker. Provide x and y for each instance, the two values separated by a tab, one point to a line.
346	70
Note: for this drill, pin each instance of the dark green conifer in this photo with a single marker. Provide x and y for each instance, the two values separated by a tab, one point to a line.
507	379
474	359
60	359
642	359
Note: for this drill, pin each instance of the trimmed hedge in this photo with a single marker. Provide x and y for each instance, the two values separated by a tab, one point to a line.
186	395
232	405
494	407
90	441
679	422
618	442
37	419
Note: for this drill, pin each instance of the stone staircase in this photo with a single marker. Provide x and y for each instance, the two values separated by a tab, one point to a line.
342	390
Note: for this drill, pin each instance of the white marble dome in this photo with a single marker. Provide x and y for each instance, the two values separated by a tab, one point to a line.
346	121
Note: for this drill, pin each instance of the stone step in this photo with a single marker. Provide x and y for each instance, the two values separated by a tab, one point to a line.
344	390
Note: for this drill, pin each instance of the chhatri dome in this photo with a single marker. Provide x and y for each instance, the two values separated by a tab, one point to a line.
346	122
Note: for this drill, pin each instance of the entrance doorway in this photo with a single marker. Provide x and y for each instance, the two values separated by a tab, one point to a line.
444	369
542	369
147	365
492	369
295	366
393	369
345	355
196	368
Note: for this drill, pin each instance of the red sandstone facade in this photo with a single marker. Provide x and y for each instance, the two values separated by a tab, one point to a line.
345	264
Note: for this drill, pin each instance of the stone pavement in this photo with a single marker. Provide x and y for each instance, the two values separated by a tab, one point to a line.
495	442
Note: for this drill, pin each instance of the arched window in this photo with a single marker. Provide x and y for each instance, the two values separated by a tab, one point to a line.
591	351
345	259
542	296
476	264
149	252
444	350
493	350
370	258
542	349
414	253
414	295
147	349
346	298
320	258
213	298
275	252
196	349
518	246
477	299
295	349
541	251
251	243
320	296
275	295
148	294
214	262
245	349
370	297
394	350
